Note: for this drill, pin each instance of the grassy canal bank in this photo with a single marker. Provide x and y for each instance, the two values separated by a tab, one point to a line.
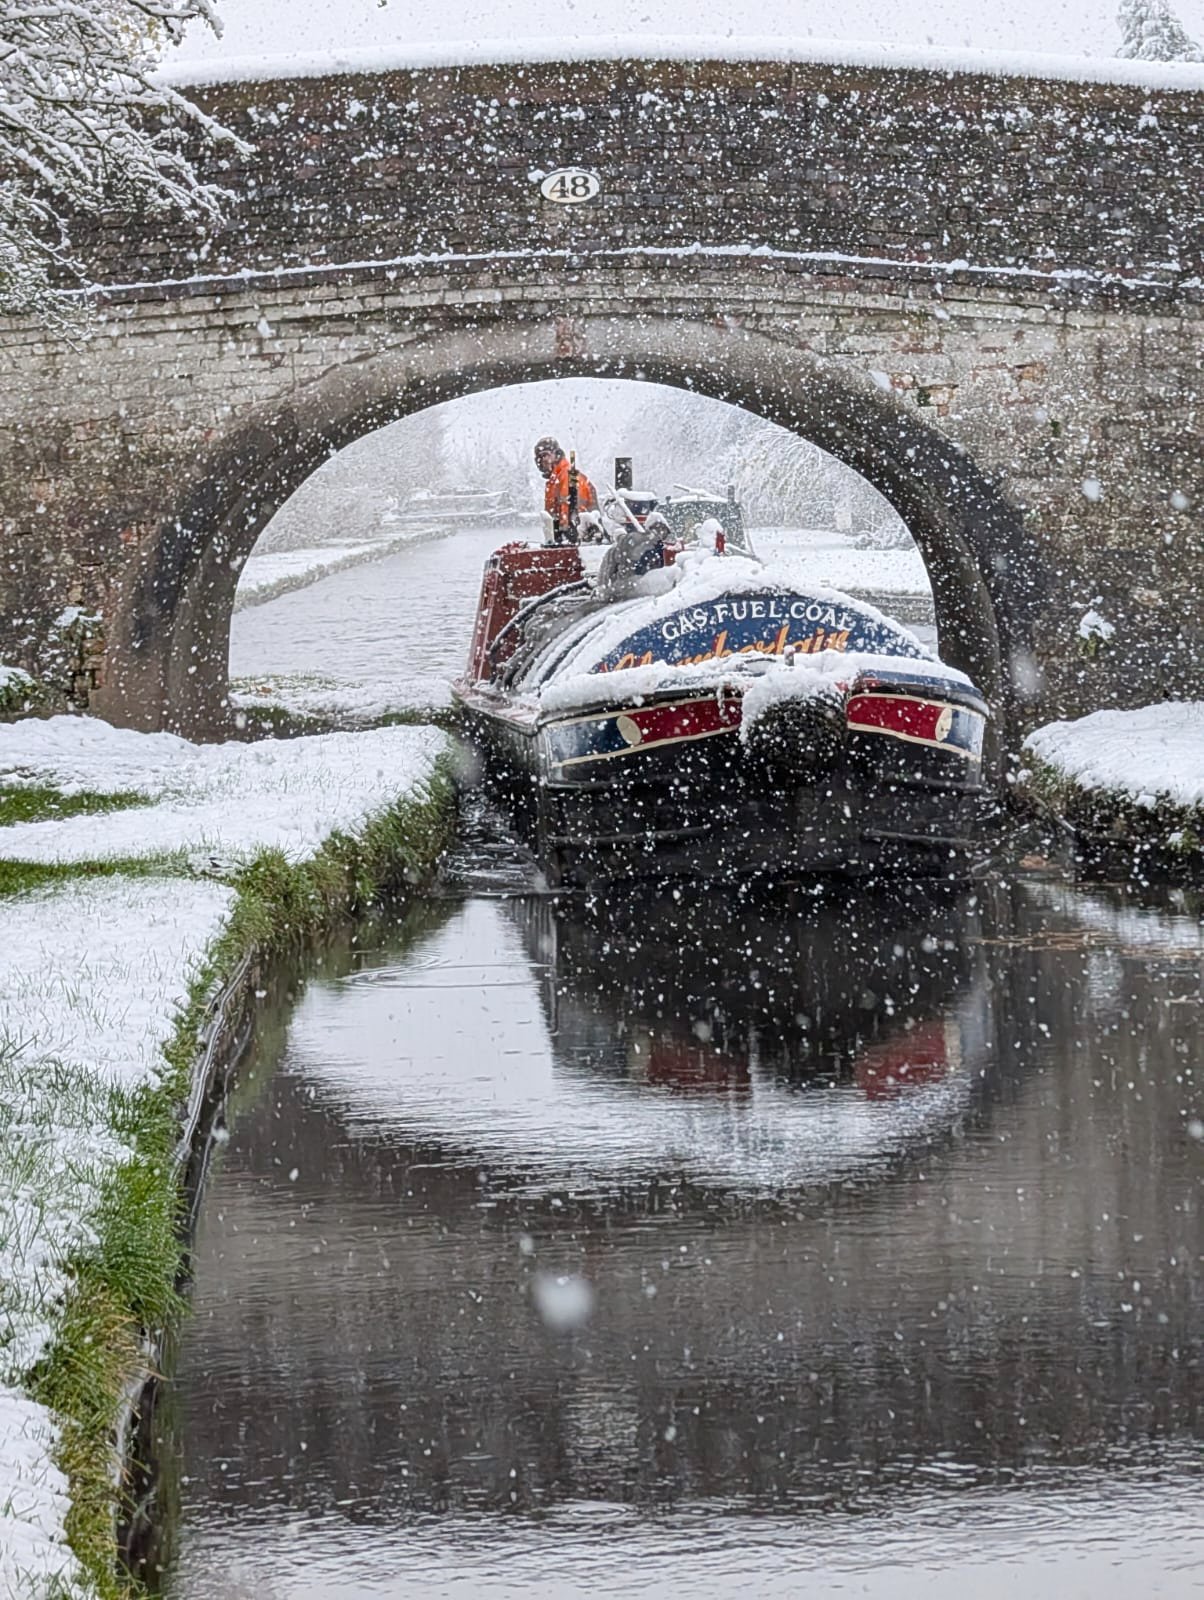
140	879
144	879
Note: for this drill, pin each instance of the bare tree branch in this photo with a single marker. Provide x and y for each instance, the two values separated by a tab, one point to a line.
83	125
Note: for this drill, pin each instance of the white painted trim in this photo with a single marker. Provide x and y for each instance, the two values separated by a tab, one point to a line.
247	277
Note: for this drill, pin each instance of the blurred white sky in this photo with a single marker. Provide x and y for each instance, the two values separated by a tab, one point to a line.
282	27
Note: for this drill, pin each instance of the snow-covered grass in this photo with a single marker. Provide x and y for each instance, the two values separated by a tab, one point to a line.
1128	781
93	970
31	802
34	1557
94	978
105	982
220	802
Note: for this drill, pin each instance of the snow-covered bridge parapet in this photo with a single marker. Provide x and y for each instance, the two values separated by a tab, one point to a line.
882	172
984	291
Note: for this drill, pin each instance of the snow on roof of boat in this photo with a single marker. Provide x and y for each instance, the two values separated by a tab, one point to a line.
565	676
581	689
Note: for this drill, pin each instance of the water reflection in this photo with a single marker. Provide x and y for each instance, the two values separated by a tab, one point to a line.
885	1208
758	1048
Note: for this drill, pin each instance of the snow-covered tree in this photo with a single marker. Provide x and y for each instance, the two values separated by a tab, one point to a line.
1151	31
84	127
778	477
348	500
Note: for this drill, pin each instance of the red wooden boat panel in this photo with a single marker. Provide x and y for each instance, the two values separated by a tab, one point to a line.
513	575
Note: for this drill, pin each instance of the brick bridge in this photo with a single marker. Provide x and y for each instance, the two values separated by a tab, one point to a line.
986	294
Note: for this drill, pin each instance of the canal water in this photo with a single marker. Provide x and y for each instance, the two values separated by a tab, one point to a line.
699	1245
384	636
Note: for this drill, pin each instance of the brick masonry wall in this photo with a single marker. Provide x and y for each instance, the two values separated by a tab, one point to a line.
903	165
1063	359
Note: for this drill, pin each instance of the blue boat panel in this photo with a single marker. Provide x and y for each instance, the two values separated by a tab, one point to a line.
764	624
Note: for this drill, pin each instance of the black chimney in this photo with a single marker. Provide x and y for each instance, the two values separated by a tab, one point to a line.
623	478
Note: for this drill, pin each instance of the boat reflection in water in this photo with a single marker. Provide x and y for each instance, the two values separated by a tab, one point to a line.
727	1043
802	998
884	1209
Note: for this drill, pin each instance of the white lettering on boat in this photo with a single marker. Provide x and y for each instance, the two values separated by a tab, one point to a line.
774	608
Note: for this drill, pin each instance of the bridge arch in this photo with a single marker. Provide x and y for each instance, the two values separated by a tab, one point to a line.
169	642
776	232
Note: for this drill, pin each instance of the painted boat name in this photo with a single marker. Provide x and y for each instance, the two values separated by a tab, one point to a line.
765	624
774	609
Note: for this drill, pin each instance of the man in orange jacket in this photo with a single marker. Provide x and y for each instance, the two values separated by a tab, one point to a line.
568	491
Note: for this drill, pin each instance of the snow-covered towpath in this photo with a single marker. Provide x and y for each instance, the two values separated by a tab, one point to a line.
211	800
95	974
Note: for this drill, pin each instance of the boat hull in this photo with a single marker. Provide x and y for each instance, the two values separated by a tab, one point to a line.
672	788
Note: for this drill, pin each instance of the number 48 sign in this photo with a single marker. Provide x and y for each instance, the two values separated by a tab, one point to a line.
570	186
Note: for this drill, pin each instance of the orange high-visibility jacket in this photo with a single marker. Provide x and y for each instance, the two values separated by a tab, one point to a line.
556	493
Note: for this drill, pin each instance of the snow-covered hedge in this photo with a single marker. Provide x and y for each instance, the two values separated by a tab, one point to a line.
1127	782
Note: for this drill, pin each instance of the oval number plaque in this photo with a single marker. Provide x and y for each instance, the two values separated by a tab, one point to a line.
570	186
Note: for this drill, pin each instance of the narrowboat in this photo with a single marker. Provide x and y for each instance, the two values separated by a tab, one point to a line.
667	703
